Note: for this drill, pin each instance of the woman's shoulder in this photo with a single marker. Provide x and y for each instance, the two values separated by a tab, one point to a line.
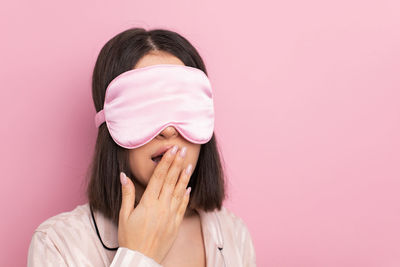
66	239
236	232
228	216
227	221
76	218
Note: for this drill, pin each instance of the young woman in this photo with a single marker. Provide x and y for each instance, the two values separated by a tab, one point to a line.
156	182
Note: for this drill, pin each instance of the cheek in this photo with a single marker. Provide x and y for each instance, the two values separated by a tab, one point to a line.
141	167
193	156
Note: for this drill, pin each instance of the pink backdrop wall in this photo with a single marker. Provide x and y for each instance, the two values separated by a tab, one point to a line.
307	114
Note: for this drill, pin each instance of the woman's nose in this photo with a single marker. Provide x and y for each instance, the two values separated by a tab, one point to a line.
169	132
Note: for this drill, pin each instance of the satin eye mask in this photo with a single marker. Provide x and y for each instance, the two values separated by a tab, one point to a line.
142	102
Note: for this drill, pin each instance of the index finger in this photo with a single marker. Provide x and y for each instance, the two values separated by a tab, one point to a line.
157	179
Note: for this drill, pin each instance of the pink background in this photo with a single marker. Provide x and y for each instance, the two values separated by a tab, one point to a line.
307	114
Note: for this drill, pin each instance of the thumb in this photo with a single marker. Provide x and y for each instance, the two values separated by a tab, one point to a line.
128	196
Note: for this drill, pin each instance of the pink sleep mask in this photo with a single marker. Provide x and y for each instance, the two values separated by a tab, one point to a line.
142	102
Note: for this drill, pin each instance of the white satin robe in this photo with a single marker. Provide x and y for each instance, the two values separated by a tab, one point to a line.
70	239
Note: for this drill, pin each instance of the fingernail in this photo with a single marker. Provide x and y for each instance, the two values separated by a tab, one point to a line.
123	178
188	190
174	149
188	168
183	152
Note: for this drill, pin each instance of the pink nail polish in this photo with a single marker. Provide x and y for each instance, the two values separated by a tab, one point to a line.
123	178
183	152
188	190
188	168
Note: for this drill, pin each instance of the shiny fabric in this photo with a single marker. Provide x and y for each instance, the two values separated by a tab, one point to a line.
70	239
140	103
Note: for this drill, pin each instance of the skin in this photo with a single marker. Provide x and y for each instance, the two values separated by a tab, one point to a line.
140	162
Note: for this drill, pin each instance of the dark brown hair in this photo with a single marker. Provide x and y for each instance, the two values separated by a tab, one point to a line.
121	54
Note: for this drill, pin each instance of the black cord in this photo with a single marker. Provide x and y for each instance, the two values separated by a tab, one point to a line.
97	231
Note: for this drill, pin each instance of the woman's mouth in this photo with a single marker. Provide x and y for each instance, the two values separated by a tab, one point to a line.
157	159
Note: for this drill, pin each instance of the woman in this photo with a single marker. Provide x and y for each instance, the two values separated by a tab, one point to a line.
154	195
